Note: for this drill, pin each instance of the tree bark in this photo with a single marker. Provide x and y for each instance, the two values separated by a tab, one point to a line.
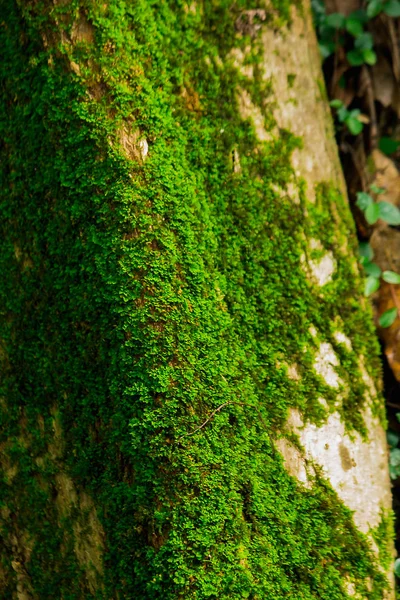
190	397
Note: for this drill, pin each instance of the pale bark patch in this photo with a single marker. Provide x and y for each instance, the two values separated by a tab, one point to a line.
325	363
356	468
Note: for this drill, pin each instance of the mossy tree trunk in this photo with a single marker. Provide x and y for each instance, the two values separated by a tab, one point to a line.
190	394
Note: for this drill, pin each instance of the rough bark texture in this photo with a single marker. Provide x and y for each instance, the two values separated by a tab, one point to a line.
189	395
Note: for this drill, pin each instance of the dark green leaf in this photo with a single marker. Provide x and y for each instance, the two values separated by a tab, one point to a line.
388	145
364	41
372	269
376	190
397	567
369	56
335	20
372	213
389	213
342	114
371	285
363	200
393	438
355	58
326	49
336	103
392	8
354	26
366	250
374	8
354	125
391	277
388	317
394	457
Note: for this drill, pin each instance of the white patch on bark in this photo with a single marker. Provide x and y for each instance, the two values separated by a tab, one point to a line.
322	269
325	363
356	469
341	338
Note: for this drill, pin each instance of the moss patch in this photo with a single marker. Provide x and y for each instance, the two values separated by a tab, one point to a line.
141	293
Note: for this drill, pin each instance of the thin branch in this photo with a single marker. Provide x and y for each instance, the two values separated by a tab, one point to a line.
217	410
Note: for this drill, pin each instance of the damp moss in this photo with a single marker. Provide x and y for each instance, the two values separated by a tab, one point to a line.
144	292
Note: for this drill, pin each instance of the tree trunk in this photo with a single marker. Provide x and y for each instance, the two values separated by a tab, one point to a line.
190	396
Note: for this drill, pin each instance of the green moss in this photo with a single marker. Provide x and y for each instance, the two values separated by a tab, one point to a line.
291	79
140	295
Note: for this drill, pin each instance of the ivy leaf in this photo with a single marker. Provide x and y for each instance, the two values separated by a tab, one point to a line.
355	58
389	213
369	56
335	20
372	213
336	103
388	317
364	41
391	277
387	145
371	285
374	8
366	250
342	114
372	269
393	438
363	200
326	48
394	458
354	125
377	190
354	26
397	567
392	8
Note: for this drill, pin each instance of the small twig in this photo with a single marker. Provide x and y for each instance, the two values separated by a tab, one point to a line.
209	419
392	405
217	410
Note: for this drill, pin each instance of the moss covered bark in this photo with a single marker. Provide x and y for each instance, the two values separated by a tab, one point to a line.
153	278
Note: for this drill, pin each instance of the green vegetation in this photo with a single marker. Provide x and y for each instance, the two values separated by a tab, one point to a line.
151	274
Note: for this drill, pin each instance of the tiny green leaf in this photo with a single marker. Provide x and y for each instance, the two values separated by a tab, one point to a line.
354	125
388	317
394	457
336	103
342	113
369	56
366	250
393	438
397	567
354	26
392	8
363	200
391	277
376	190
355	58
389	213
364	41
371	285
372	269
374	8
372	213
326	48
387	145
335	20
